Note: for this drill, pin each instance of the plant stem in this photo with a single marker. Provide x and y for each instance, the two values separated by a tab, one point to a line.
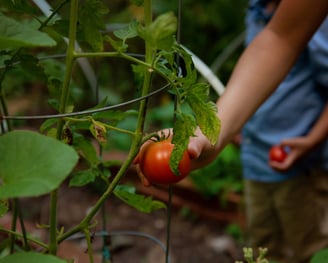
62	109
168	226
86	221
102	123
110	54
89	244
137	137
3	108
54	13
148	71
13	225
20	235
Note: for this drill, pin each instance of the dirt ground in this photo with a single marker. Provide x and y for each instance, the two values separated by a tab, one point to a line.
137	237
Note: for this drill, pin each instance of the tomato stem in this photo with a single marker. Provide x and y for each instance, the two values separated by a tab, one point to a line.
60	124
84	224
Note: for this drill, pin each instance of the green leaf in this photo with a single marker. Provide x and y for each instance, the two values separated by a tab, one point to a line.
139	202
32	164
118	45
21	6
137	2
91	20
205	112
174	59
128	32
82	178
320	257
191	74
16	35
4	206
161	31
184	127
28	257
31	66
87	149
47	124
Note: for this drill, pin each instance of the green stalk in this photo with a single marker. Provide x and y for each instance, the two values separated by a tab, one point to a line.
60	125
21	236
148	72
86	221
89	245
13	225
136	140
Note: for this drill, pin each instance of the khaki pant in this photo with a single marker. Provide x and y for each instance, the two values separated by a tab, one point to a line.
289	218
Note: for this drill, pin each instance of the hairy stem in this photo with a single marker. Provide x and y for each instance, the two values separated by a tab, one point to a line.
136	140
62	109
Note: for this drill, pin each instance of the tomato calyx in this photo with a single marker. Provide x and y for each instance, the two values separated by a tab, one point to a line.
155	137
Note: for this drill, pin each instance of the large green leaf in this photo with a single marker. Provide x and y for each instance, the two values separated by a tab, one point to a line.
15	35
320	257
32	164
28	257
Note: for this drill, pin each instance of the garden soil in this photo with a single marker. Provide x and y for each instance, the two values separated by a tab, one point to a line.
134	237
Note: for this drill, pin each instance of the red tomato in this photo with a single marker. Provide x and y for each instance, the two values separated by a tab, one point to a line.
155	163
277	153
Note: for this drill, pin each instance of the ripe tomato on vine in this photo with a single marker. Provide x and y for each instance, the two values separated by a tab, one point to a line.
155	163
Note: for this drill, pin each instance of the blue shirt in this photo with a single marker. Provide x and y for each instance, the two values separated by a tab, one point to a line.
289	112
319	54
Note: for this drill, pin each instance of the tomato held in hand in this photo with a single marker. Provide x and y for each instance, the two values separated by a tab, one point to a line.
155	163
277	153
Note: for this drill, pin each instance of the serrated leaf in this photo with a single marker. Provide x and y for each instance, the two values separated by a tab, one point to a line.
128	32
32	164
118	45
82	178
140	202
177	59
164	25
91	20
201	90
94	38
27	257
187	65
14	34
184	127
161	32
205	113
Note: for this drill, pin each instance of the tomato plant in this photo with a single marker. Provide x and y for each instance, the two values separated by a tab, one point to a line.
78	135
277	153
155	163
